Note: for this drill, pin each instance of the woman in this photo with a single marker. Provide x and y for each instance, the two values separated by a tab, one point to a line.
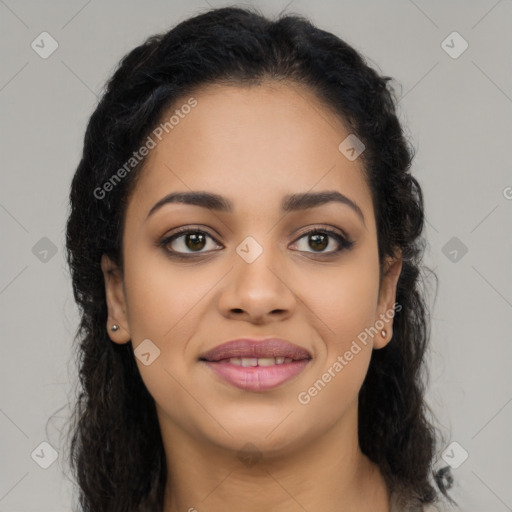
245	248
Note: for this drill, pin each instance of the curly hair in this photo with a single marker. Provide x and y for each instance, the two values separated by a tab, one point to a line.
238	46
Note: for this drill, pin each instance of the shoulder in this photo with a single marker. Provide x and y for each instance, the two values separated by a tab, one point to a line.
439	507
398	504
431	508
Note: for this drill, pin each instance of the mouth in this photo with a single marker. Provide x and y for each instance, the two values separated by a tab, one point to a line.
247	362
270	350
255	365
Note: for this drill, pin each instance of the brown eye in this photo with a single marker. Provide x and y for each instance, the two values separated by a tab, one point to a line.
187	241
320	239
194	241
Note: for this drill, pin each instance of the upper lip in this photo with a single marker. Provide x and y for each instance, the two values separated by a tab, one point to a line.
250	347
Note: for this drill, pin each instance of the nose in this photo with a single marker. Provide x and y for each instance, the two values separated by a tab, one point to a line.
257	291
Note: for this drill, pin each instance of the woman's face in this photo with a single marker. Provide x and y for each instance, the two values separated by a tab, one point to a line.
252	271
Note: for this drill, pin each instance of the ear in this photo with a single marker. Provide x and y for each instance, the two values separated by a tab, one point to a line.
387	298
116	304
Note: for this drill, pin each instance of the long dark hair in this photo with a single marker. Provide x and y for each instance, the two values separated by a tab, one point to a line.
117	454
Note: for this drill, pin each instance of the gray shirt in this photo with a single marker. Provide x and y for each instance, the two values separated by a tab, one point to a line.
398	505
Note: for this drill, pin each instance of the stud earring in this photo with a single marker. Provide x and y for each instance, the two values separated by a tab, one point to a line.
384	333
115	327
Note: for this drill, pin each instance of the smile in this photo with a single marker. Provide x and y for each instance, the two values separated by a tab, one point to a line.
257	374
261	361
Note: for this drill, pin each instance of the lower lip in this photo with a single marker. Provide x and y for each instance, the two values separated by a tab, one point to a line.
257	378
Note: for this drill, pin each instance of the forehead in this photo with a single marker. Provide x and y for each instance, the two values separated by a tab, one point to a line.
253	144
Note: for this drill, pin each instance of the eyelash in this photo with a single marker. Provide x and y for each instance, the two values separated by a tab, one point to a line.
344	242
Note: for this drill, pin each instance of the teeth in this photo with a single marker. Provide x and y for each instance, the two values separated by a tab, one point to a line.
249	361
262	361
266	361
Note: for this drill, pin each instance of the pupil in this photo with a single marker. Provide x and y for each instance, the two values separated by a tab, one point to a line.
198	238
315	240
195	241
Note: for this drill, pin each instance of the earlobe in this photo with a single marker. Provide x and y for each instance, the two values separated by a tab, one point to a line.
387	300
117	324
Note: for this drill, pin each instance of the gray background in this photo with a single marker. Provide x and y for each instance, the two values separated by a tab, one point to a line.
458	113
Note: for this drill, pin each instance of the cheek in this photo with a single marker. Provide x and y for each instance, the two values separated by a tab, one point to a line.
346	305
344	299
162	304
353	309
161	297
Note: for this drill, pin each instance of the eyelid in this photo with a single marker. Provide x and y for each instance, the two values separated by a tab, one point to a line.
344	241
311	228
183	230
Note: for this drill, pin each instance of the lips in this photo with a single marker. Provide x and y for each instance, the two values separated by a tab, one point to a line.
250	349
256	365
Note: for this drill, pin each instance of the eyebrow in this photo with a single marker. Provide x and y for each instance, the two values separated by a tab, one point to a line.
290	203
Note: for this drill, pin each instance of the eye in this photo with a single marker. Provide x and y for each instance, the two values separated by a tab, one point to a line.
186	241
319	240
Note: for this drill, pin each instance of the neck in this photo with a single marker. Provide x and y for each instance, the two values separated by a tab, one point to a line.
328	473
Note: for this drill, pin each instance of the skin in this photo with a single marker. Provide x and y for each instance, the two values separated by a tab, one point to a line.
253	145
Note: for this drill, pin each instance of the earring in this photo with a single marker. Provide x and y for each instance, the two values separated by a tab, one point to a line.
384	333
115	327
